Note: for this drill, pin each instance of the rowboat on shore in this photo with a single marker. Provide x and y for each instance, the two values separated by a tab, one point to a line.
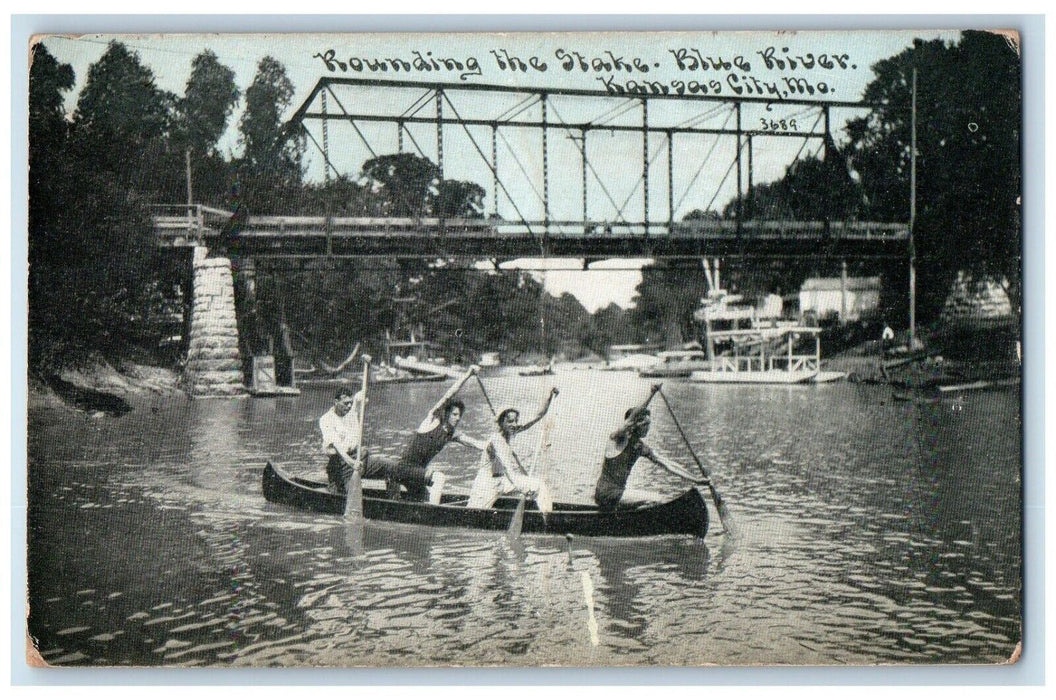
686	514
936	390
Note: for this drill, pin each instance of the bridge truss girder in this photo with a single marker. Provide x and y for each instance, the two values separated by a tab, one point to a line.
648	116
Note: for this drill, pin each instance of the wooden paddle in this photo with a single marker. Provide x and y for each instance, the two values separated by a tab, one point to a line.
491	407
487	398
720	504
354	486
517	521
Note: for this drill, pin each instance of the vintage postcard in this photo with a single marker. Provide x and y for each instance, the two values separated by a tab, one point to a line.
537	349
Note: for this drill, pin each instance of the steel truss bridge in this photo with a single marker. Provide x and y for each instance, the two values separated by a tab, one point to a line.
581	174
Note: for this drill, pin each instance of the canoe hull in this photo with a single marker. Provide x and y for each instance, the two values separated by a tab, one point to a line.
775	376
686	514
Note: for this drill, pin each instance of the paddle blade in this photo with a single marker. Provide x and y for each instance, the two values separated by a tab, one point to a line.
354	534
354	499
517	522
724	512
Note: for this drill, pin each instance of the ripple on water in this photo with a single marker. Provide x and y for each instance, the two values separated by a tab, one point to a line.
839	560
71	630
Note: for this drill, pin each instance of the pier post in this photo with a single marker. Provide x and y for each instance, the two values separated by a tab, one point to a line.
737	157
645	164
843	291
583	176
546	171
495	169
670	182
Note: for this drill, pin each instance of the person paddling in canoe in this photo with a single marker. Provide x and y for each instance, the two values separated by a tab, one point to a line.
622	451
413	470
341	441
500	471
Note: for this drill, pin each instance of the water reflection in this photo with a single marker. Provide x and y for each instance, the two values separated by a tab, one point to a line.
867	532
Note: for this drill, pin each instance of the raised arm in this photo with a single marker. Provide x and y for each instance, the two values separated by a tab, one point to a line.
542	412
454	389
634	414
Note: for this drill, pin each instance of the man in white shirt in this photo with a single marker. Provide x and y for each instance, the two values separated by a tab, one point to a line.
341	438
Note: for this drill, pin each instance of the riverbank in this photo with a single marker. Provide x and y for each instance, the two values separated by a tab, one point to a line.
100	388
926	366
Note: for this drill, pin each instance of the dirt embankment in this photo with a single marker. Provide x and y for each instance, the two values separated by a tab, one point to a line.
924	366
99	388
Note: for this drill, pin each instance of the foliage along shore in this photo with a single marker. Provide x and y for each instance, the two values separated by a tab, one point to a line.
98	389
95	172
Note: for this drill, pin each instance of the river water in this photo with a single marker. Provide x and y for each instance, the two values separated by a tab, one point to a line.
867	531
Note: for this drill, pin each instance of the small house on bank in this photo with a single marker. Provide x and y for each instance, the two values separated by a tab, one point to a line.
846	298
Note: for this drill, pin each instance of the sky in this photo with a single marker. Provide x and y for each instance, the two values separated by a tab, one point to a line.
701	166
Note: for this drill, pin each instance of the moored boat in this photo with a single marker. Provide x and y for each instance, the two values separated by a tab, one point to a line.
686	514
538	371
977	384
767	356
674	364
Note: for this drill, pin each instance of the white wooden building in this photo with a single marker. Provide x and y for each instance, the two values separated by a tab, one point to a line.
847	298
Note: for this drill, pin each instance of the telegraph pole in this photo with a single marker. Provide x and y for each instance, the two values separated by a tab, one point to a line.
913	216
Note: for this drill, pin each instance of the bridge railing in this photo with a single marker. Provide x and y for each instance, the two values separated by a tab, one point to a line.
360	225
186	224
778	229
176	225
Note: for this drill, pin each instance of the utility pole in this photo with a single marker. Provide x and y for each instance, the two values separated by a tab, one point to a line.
190	191
913	216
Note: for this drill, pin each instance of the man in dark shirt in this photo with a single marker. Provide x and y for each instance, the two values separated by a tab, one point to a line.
624	448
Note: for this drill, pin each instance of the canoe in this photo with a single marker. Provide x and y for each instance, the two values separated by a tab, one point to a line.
544	372
978	384
934	391
686	514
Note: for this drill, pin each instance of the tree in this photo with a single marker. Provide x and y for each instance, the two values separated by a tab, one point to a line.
812	189
968	164
202	114
403	184
340	197
608	326
119	136
92	279
459	199
272	160
701	215
48	135
48	189
329	306
665	301
208	100
121	115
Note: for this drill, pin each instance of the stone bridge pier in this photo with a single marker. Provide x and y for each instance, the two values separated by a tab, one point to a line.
214	362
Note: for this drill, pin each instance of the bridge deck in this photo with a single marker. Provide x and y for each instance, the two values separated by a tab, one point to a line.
310	236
